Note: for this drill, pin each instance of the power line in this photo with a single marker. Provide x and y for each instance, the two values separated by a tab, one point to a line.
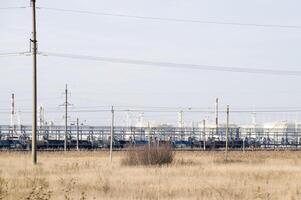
209	111
172	19
165	111
176	65
178	108
187	111
236	107
13	7
9	54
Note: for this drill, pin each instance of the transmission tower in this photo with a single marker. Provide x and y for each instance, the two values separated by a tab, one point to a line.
66	104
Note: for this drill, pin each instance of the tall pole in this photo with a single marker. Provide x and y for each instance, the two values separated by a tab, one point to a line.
227	131
112	133
12	114
41	122
181	123
12	108
66	117
77	134
204	135
216	116
149	134
34	84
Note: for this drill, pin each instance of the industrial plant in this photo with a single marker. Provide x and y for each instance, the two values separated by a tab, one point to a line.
202	134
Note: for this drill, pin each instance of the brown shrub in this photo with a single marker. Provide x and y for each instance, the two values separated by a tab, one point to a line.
149	155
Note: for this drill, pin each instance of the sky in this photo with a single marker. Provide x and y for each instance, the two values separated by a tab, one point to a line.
102	84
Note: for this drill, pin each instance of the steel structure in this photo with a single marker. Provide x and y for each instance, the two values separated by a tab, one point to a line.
99	136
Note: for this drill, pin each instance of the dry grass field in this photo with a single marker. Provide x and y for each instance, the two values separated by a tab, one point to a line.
193	175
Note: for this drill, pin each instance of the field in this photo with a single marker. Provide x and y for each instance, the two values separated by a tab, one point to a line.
193	175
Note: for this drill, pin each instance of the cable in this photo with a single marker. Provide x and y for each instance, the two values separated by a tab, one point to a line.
173	19
212	111
25	53
15	7
176	65
13	53
164	111
159	109
184	109
139	106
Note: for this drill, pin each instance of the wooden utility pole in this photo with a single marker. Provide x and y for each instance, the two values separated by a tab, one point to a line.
204	135
77	134
227	132
34	84
112	133
66	117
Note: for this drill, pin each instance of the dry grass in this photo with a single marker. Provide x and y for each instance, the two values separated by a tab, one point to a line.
148	155
192	175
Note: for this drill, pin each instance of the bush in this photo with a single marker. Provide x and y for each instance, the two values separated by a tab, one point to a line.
149	155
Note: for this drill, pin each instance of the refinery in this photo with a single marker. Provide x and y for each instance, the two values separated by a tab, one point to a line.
202	134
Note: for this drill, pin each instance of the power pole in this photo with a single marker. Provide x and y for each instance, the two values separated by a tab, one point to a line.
12	115
66	104
204	135
227	131
34	83
216	116
112	133
77	134
149	134
66	117
41	122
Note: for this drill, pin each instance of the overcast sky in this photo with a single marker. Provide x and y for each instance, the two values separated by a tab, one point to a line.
94	83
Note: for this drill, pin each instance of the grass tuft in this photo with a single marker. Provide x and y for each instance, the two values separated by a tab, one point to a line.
149	155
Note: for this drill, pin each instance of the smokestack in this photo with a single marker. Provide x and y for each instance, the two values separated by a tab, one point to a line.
180	119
